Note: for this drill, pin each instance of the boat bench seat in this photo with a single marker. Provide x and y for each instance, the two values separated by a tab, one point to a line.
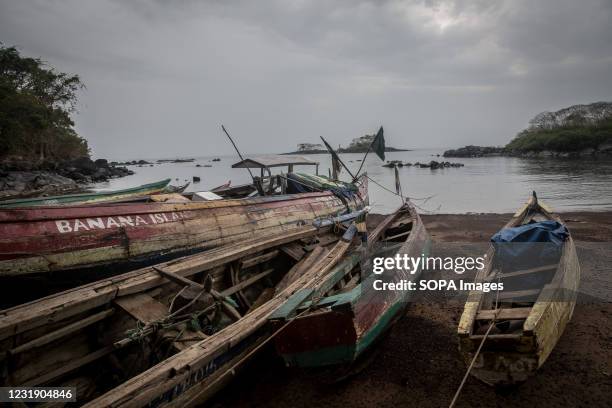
517	313
524	272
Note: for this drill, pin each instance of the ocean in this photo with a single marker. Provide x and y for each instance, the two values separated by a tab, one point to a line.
483	185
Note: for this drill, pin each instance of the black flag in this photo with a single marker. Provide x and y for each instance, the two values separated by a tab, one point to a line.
378	145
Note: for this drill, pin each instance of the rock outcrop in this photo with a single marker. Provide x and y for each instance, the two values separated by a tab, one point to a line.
20	179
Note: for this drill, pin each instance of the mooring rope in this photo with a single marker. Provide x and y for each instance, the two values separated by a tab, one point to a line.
469	369
412	199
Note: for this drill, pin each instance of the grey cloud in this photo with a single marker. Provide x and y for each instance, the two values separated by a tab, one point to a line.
161	76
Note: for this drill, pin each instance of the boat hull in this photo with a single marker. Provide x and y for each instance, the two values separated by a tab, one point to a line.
351	322
50	239
89	198
510	359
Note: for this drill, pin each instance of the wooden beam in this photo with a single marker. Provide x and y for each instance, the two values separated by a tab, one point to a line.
518	294
142	307
245	283
296	270
69	366
54	335
398	235
147	386
70	303
247	263
539	269
171	276
503	336
517	313
294	250
375	235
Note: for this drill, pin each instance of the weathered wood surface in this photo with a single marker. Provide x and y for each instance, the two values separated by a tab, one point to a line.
58	238
72	302
56	330
77	199
173	375
350	321
543	323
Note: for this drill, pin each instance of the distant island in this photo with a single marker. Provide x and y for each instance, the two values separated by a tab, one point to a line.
576	131
357	145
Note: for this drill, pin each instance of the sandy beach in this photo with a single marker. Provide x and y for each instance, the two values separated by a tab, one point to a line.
417	362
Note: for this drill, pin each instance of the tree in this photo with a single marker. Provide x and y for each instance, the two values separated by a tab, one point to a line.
35	106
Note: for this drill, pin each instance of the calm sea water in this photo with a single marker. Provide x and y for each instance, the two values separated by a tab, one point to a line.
497	184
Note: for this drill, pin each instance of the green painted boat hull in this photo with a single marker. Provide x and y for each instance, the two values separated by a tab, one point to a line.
89	198
345	325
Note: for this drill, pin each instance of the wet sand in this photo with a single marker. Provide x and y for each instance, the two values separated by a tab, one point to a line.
417	363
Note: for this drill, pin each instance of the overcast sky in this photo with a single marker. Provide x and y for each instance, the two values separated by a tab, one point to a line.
162	76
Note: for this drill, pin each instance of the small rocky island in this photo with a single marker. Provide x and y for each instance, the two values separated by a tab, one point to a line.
357	145
573	132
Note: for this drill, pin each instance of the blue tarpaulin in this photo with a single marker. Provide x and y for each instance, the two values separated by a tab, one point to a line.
530	245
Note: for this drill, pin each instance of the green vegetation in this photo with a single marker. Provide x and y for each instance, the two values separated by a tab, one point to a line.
35	106
567	138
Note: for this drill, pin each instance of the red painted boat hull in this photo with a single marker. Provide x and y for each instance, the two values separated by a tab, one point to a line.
46	239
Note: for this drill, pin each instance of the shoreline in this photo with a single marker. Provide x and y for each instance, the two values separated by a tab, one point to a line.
51	179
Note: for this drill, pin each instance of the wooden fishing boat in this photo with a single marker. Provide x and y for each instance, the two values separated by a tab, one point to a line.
522	323
349	314
78	238
176	189
170	334
89	198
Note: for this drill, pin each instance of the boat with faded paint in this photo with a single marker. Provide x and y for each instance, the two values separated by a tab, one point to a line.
349	314
167	335
522	323
48	239
133	193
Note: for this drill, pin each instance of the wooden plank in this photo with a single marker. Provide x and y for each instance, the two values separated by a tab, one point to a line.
375	235
512	336
54	335
300	267
140	390
142	307
245	283
264	296
398	235
294	250
173	277
517	313
59	306
539	269
70	366
517	294
292	304
159	227
247	263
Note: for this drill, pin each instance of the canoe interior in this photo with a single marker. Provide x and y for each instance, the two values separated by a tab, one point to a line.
528	315
193	375
100	335
350	316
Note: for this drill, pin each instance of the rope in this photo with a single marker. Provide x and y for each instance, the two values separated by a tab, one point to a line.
469	369
467	373
412	199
